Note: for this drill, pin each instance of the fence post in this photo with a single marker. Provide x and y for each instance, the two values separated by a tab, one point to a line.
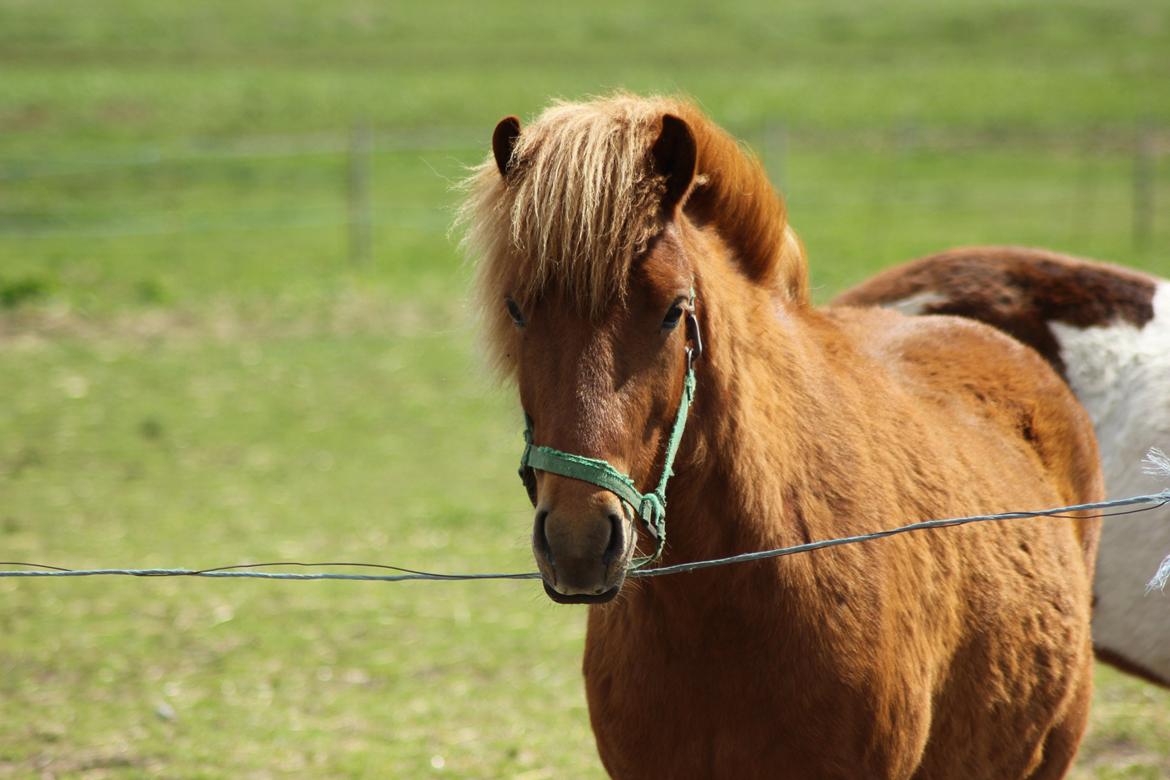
1143	189
776	154
360	211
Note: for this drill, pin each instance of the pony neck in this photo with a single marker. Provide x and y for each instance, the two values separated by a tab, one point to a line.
755	414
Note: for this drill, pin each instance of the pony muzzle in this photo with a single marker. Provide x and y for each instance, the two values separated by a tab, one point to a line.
583	555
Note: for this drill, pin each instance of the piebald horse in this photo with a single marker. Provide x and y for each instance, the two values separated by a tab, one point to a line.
1106	330
602	228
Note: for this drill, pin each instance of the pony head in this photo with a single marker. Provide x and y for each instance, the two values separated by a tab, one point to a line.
591	228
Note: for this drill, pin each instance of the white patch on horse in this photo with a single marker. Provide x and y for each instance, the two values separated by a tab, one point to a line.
1121	373
915	304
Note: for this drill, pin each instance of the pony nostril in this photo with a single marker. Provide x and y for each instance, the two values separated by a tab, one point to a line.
613	549
540	536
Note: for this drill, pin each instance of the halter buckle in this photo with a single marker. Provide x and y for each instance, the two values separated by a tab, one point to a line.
694	336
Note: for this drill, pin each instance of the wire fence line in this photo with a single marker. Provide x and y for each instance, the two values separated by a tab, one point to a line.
1144	503
352	154
244	148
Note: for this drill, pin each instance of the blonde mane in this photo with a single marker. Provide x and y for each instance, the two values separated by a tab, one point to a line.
581	201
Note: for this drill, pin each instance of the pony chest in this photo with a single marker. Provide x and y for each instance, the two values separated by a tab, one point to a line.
730	699
659	673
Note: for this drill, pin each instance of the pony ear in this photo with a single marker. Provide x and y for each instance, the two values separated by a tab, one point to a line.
674	158
503	141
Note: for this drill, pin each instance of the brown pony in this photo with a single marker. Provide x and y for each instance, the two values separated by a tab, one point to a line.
1106	329
957	653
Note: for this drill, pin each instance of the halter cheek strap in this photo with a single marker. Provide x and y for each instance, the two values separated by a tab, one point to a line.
649	507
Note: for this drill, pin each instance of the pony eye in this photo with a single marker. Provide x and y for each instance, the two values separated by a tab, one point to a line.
515	313
673	315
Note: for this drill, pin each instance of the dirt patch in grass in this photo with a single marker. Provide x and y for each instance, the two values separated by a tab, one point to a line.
36	327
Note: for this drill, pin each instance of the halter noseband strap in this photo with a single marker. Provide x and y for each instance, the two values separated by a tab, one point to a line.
650	507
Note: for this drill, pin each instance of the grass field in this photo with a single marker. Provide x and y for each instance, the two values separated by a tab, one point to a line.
193	372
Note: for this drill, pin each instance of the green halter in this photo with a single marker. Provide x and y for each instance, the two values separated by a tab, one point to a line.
650	507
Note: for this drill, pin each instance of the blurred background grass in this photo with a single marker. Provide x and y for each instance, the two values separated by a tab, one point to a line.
202	363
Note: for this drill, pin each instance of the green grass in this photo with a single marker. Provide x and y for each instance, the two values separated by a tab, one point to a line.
203	453
193	372
143	70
